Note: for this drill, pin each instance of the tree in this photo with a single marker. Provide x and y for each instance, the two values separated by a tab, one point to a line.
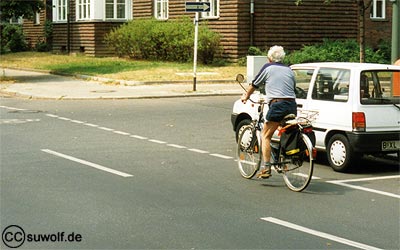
17	8
363	5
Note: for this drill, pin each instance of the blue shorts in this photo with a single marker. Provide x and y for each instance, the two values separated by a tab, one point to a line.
278	110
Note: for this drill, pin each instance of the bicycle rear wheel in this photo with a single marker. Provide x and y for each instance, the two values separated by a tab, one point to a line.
298	169
248	152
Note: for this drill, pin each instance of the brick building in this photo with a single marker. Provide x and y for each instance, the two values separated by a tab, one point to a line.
241	23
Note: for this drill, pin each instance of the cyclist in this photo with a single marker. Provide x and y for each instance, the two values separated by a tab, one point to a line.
280	84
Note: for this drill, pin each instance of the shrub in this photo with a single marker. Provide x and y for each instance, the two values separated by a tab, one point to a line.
334	51
170	41
252	51
13	38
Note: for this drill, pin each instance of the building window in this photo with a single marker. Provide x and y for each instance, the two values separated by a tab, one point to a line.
161	9
16	20
36	19
60	10
378	10
83	9
214	9
116	9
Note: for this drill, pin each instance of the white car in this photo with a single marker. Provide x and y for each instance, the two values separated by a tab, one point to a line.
354	108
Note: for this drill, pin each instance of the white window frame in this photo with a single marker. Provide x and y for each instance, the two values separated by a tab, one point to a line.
116	3
161	9
36	19
60	10
374	10
83	9
16	20
214	10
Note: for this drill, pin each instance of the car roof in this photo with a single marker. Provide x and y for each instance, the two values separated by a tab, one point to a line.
346	65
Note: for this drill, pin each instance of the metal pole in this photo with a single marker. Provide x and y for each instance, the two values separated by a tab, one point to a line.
69	27
196	34
395	30
252	23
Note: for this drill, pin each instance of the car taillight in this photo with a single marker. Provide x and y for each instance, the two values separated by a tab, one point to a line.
358	121
307	130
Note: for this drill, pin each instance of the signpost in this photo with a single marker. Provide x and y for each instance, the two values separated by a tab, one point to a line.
196	7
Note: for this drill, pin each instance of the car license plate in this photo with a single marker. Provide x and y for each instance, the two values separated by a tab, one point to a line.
390	145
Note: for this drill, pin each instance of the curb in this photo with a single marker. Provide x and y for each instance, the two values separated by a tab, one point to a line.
118	81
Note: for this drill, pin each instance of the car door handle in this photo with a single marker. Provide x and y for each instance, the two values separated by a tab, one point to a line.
299	105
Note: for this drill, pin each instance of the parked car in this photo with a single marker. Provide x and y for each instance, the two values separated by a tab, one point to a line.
354	108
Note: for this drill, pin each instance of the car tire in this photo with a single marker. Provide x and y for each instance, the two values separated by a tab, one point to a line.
241	124
340	153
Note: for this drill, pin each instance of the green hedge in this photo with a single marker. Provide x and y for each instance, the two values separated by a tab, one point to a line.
157	40
331	51
336	51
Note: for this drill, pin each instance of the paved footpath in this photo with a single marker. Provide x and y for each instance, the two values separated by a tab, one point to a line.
38	85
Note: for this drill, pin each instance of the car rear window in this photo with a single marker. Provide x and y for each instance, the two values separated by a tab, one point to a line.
380	87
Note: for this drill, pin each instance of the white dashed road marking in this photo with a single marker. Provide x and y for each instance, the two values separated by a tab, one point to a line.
17	121
120	132
196	150
157	141
176	146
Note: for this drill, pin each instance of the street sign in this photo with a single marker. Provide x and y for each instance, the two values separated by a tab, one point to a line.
197	7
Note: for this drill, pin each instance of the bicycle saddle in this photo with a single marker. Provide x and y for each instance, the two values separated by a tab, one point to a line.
289	119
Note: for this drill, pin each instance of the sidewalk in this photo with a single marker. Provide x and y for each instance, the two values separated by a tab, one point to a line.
36	85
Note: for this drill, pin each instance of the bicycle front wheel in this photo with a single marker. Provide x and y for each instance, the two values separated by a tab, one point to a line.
298	169
248	152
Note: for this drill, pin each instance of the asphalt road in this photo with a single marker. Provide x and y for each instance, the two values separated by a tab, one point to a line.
160	173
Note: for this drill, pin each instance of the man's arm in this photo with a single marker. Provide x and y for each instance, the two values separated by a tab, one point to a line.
248	93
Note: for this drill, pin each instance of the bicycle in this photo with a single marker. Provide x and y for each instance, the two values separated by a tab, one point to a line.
297	169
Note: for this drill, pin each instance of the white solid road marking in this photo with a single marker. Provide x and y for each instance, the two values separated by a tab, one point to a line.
87	163
304	175
343	183
318	233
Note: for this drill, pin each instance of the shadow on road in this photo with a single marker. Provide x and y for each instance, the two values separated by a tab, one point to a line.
370	165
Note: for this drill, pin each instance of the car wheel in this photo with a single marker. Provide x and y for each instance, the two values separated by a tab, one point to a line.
240	126
340	154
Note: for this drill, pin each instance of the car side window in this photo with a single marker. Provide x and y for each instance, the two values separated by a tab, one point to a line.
331	85
303	79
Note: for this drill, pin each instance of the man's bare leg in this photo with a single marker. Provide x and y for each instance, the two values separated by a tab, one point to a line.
266	136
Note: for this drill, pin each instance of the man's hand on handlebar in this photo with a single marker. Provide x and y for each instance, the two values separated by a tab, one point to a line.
244	98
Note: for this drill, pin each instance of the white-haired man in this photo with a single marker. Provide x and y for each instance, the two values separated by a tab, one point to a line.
280	87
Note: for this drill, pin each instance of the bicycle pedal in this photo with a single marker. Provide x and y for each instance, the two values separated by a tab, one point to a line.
264	174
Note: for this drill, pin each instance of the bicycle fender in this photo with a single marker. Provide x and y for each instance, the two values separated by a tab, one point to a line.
308	144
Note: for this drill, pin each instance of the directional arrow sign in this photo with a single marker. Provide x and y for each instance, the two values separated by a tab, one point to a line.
197	7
